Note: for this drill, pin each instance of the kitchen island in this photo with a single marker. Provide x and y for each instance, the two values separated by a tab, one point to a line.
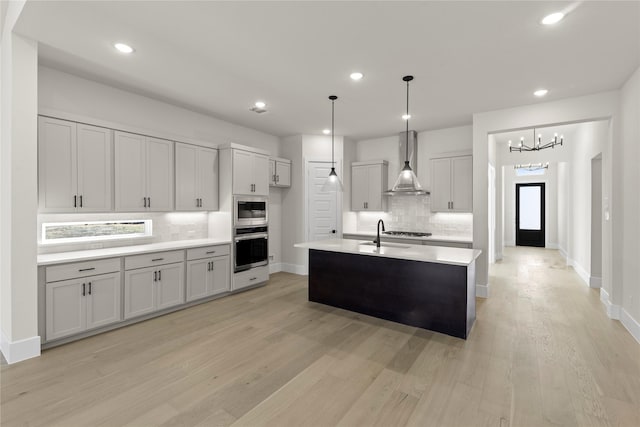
430	287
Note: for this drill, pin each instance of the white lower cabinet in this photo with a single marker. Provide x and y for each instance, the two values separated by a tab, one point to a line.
79	304
210	275
153	288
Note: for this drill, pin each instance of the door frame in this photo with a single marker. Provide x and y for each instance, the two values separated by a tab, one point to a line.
543	202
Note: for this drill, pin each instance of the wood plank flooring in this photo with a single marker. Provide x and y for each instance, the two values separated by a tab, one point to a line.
542	353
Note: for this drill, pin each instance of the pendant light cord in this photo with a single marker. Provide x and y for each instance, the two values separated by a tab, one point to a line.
333	102
406	154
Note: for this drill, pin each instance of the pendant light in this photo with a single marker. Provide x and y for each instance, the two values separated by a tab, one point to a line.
407	182
333	182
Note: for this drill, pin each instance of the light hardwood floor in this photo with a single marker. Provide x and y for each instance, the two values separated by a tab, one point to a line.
542	353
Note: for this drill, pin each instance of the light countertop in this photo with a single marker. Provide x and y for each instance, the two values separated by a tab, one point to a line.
435	237
62	257
424	253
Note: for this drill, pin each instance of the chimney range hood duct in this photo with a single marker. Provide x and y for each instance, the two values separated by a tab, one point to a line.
412	146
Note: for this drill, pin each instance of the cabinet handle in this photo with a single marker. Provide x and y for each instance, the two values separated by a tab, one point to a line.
211	265
155	276
159	275
253	278
149	202
157	259
75	198
83	290
87	269
80	200
144	199
200	202
89	288
211	252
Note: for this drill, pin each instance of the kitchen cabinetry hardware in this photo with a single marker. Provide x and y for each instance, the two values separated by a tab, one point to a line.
75	198
81	201
253	278
149	203
211	252
89	288
159	275
87	269
145	201
155	276
83	290
157	259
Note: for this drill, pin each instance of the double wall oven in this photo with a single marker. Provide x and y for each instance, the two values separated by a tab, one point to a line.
250	232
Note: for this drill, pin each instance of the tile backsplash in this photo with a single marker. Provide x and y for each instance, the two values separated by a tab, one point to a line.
413	213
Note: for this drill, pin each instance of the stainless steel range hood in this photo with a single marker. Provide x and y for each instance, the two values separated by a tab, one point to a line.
407	188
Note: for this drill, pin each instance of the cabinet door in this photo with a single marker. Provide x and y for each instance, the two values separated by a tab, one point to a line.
186	177
374	197
359	187
242	172
95	146
170	286
462	184
440	184
220	275
197	278
130	172
57	165
103	300
208	178
139	292
261	174
283	174
65	308
272	172
159	174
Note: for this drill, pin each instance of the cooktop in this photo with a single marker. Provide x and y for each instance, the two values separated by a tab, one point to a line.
406	233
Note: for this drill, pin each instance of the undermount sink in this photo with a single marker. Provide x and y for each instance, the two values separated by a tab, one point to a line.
386	245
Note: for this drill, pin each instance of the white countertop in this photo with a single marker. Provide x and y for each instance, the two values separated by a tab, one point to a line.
424	253
62	257
435	237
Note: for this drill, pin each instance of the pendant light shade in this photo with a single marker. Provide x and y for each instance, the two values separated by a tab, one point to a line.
407	182
332	183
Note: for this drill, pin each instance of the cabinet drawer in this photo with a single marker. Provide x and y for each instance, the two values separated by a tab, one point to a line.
207	252
56	273
250	277
156	258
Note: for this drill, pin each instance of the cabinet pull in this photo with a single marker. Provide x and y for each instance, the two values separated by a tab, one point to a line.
155	276
144	199
277	178
75	198
157	259
149	202
83	290
211	252
159	275
211	265
89	288
87	269
80	200
253	278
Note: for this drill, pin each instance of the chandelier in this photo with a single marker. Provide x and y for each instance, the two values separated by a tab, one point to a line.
532	166
537	143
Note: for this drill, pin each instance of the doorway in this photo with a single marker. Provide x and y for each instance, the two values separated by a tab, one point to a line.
323	206
530	219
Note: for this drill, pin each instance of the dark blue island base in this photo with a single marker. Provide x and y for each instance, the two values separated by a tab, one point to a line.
434	296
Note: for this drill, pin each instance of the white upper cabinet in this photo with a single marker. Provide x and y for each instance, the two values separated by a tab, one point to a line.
279	172
250	173
368	181
143	173
74	167
196	178
452	184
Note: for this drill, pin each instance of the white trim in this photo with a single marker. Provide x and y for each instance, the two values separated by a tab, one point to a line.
275	267
552	246
595	282
510	243
613	311
294	268
631	324
499	256
564	254
17	351
482	291
580	270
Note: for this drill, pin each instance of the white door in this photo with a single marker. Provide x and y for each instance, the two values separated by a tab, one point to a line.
462	184
220	275
208	178
359	187
186	177
57	165
130	172
95	145
103	300
66	309
197	278
170	286
139	292
323	206
159	174
242	172
261	175
440	185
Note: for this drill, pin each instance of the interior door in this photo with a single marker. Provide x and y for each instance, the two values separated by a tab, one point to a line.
530	220
323	206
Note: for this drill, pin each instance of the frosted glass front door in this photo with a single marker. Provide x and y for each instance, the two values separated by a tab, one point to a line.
530	208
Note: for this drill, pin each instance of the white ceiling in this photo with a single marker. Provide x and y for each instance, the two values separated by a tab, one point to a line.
220	57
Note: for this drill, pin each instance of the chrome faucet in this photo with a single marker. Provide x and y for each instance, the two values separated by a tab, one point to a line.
378	238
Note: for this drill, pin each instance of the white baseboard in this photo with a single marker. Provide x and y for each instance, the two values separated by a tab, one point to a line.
552	246
482	291
275	267
595	282
499	256
630	324
564	254
580	270
17	351
294	268
613	311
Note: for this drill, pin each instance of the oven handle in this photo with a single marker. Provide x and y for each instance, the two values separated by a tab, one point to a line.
251	236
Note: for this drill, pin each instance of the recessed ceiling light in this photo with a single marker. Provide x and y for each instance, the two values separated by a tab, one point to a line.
356	76
540	92
326	131
554	18
260	104
406	116
124	48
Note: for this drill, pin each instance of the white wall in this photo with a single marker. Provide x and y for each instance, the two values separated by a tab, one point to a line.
564	206
630	301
